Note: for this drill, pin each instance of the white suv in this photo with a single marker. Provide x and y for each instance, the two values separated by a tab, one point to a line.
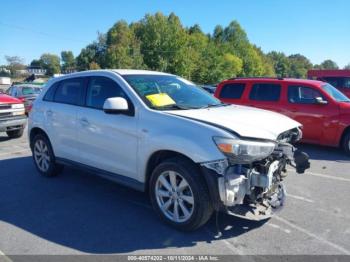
160	133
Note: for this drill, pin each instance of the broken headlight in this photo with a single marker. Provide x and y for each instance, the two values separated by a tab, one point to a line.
244	151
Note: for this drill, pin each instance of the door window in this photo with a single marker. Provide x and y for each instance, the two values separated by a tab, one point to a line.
101	88
70	91
265	92
302	95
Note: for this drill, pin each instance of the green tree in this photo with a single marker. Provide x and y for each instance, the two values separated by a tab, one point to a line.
51	63
231	66
36	62
280	63
68	61
14	63
123	48
234	40
267	64
327	64
347	67
94	53
195	29
163	43
299	65
218	33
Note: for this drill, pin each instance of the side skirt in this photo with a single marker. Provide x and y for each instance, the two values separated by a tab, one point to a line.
120	179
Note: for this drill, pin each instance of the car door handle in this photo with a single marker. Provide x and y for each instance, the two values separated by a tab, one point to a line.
84	122
294	110
49	113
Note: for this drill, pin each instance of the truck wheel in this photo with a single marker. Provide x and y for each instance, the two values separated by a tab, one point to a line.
15	133
44	158
180	195
346	143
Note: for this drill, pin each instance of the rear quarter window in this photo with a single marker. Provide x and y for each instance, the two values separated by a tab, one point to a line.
265	92
51	92
232	91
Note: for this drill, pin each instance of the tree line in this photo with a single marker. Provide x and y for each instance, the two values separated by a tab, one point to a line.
159	42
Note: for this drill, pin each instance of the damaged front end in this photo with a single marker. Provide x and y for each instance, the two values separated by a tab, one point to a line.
249	182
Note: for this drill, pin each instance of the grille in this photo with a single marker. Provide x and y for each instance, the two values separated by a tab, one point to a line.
5	106
5	115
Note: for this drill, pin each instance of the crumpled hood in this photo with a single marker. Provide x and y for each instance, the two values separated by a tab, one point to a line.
243	120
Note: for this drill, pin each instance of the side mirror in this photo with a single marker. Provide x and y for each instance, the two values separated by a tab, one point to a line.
319	100
116	105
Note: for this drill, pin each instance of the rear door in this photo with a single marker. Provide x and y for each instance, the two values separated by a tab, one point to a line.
266	96
61	104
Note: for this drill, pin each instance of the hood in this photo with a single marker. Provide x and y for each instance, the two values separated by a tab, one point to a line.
5	99
245	121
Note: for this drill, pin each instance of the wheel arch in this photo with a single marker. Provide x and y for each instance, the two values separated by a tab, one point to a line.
345	131
159	156
35	131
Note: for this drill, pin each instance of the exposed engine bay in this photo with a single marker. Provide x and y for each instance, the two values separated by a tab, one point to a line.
255	190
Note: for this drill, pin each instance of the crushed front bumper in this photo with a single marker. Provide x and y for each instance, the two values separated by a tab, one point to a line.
260	211
233	188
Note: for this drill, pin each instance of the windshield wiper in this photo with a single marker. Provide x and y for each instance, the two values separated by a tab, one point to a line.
213	105
171	107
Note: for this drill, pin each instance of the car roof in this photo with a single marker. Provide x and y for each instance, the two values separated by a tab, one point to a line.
121	72
277	80
137	72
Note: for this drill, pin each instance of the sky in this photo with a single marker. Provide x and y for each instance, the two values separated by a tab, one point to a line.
318	29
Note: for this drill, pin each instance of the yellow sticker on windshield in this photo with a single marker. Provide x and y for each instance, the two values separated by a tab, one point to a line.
161	99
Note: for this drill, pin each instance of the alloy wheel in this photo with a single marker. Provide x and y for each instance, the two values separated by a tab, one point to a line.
174	196
41	155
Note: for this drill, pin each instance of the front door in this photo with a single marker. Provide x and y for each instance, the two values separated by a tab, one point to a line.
107	141
318	119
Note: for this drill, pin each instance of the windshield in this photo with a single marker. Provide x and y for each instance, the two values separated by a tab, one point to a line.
31	90
163	92
335	93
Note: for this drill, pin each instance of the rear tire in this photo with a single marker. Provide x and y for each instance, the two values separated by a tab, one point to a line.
44	158
346	143
15	133
177	184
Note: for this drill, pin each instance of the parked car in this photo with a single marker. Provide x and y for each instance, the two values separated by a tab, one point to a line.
12	118
27	93
159	133
340	79
209	89
323	110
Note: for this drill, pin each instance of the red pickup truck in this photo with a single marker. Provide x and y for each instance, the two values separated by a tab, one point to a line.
322	109
12	116
340	79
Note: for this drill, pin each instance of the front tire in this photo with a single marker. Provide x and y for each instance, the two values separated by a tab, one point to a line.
44	157
15	133
346	143
179	194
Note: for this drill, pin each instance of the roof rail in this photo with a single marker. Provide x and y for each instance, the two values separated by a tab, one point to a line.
256	77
